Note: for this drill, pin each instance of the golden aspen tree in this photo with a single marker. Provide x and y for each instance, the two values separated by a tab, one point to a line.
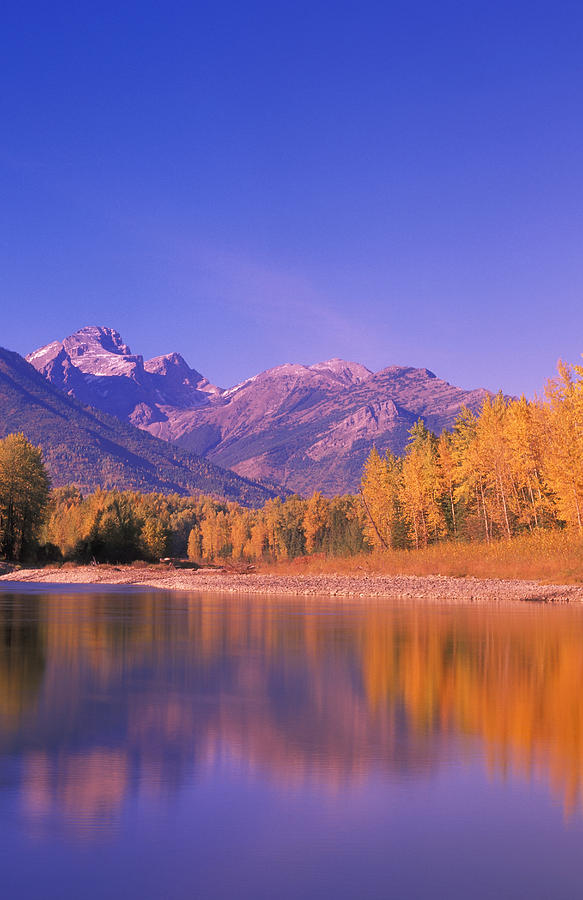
380	490
194	546
24	495
421	487
271	515
291	535
64	524
155	537
208	528
525	431
239	524
315	521
470	489
493	456
564	446
223	535
258	543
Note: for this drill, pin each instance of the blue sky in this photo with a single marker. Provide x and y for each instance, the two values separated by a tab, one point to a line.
258	183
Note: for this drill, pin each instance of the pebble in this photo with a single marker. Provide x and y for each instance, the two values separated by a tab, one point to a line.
390	587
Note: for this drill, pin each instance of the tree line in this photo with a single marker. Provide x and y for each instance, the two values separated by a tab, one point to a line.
514	467
122	526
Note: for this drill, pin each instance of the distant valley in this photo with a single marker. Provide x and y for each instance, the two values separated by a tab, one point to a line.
302	427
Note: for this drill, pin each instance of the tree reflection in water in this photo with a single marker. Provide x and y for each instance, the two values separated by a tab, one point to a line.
103	697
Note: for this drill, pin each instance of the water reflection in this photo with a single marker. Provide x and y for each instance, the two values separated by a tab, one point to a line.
104	698
22	657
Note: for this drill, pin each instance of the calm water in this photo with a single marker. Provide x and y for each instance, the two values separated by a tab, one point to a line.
183	746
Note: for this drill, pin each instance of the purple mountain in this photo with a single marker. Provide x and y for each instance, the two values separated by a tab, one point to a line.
304	427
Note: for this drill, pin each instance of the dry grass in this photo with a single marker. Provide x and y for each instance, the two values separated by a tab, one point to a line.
555	557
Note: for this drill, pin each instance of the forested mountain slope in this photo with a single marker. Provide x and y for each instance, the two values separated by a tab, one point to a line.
89	448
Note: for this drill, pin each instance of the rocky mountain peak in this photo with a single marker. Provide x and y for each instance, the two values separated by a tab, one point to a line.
101	352
168	363
348	372
96	339
97	366
95	351
176	381
82	446
307	427
409	372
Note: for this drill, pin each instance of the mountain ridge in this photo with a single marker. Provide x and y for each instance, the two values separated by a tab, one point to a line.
307	427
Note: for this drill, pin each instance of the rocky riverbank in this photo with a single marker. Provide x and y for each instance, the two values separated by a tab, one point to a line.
396	587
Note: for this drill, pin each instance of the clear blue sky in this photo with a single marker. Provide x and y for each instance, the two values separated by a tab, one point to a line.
254	183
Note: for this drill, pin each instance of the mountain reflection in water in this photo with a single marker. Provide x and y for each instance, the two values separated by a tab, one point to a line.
107	696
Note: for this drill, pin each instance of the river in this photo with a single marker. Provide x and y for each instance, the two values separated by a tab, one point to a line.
167	745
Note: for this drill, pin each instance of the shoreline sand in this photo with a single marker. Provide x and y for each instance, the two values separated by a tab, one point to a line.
390	587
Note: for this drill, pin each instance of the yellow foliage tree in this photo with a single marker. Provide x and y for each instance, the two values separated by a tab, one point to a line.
563	464
315	521
155	536
380	490
421	487
194	547
24	495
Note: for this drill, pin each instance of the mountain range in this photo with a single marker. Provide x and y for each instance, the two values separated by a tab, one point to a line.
305	427
87	447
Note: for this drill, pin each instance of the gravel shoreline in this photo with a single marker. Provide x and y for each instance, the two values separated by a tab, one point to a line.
391	587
